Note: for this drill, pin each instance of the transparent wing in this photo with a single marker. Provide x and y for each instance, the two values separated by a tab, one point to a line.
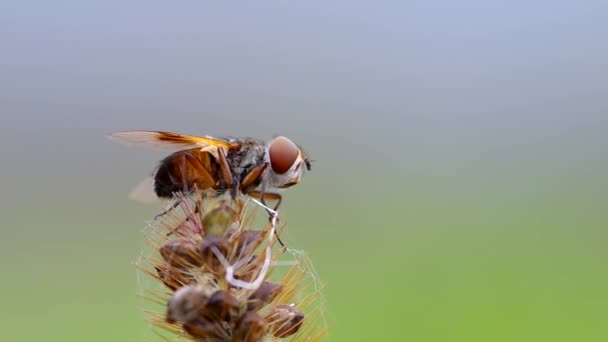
168	140
144	192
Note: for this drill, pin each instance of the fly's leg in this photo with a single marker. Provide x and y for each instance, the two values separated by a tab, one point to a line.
263	196
253	175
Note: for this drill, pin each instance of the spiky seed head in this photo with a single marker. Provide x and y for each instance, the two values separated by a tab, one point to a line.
218	276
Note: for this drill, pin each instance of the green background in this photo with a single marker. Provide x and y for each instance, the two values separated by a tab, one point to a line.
459	188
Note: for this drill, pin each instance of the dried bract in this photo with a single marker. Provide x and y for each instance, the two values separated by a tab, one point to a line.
181	253
187	303
263	295
210	247
284	320
174	277
250	328
223	306
219	220
247	241
204	329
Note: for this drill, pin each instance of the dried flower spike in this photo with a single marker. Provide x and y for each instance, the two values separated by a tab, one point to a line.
217	264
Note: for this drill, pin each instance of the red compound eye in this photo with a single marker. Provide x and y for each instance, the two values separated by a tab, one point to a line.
283	153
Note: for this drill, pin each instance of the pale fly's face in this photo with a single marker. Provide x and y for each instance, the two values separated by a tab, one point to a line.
286	161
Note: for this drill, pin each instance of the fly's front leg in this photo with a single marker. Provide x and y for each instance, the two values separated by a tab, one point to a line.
254	175
263	196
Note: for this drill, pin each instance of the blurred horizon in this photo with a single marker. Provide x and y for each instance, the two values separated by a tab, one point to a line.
459	187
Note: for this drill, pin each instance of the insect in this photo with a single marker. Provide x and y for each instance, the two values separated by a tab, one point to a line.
202	163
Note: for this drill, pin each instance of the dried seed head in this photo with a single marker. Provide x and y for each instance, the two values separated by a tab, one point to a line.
207	330
250	328
174	277
181	253
187	303
218	220
221	274
263	295
210	260
284	320
222	306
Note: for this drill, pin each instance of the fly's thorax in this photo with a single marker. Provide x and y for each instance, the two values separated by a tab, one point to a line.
249	155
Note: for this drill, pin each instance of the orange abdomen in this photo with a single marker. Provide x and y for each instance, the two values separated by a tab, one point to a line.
186	171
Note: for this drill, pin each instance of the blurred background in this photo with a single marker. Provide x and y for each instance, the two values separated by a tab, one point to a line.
459	188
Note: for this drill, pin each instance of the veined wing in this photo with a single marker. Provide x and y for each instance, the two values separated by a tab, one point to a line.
144	192
169	141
